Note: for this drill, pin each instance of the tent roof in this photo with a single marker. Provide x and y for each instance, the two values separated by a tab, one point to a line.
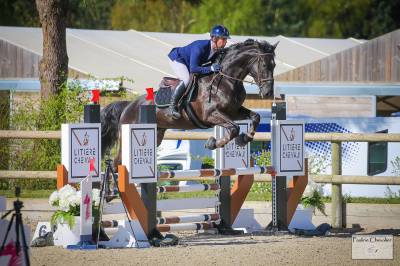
142	56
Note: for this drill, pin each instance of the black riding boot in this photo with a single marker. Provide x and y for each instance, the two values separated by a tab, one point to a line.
179	91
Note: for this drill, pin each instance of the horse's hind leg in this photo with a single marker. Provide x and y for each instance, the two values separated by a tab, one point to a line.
245	113
232	130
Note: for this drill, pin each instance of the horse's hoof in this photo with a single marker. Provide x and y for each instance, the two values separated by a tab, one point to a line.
211	144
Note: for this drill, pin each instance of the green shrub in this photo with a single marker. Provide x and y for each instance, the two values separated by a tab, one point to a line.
49	114
28	184
41	115
262	158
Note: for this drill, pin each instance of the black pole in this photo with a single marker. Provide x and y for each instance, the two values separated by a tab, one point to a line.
91	113
279	190
147	115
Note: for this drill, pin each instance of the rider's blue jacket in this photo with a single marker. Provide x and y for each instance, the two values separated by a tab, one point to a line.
193	56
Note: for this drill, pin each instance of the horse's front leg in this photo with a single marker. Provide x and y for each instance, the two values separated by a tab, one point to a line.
232	130
245	114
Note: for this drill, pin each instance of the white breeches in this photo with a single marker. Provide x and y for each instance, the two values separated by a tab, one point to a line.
180	70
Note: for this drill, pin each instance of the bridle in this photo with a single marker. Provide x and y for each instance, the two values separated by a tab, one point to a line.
258	80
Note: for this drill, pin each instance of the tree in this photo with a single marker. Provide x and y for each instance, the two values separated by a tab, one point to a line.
364	19
383	16
152	15
18	13
241	17
53	67
282	17
90	14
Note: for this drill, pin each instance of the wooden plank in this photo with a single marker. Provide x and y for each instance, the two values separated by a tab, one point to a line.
333	106
131	198
296	189
395	64
239	192
324	70
355	179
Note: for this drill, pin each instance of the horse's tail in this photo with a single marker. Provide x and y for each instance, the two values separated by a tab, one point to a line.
109	117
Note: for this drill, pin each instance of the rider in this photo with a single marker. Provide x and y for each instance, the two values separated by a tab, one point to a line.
189	59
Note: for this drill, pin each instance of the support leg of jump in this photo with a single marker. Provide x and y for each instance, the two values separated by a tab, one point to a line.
147	115
224	209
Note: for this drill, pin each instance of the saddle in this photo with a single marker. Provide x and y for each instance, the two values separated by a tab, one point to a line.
166	88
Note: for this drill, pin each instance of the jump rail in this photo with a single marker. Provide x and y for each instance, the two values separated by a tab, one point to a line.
328	179
334	137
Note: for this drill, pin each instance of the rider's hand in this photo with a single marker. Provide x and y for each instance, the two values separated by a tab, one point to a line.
216	67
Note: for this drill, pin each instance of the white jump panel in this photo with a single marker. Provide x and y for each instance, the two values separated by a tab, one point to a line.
184	204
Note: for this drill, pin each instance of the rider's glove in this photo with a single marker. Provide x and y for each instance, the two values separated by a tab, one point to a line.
216	67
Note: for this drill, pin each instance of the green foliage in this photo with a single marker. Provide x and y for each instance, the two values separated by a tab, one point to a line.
312	197
304	18
340	18
152	15
87	14
68	217
315	200
347	198
19	13
282	17
68	201
28	184
62	216
31	114
241	17
207	162
261	188
263	158
90	14
30	194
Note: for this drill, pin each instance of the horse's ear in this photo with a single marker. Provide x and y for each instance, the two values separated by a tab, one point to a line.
275	45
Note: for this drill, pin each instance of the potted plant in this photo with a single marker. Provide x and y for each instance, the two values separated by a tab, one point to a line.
67	202
311	200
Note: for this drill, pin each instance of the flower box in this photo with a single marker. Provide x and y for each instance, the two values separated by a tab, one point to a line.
64	235
302	219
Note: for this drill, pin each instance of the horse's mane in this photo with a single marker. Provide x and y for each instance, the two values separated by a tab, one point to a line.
264	46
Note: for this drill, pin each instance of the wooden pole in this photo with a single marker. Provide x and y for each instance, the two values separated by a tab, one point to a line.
340	137
296	188
336	219
62	176
131	199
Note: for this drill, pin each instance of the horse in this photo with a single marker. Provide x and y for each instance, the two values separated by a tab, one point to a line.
218	100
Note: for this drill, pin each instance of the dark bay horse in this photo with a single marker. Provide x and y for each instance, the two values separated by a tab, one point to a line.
218	102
